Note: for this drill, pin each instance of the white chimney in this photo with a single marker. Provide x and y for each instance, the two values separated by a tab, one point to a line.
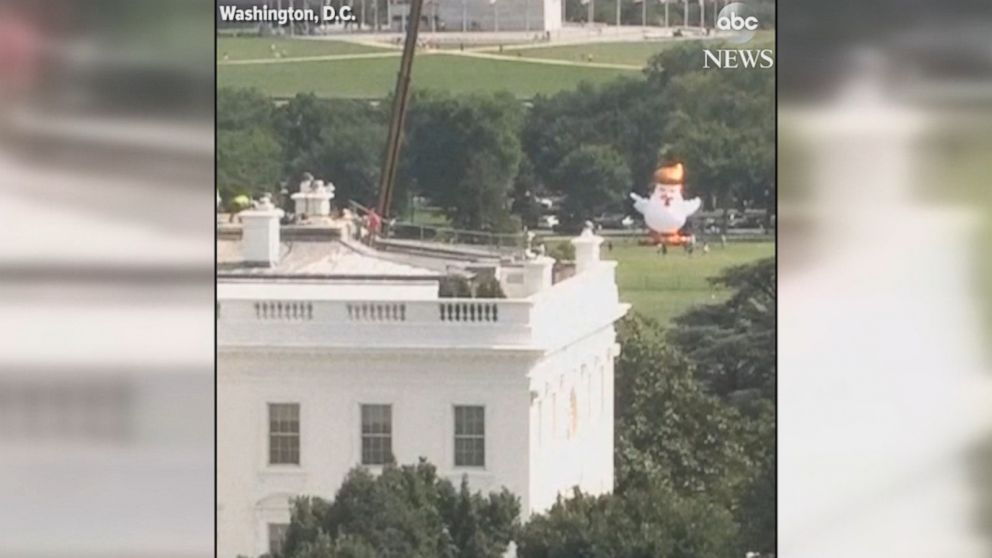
313	199
586	250
537	274
260	233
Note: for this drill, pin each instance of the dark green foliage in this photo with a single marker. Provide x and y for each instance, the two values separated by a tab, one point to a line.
249	154
463	154
526	188
732	343
340	141
720	123
668	429
489	287
596	180
696	405
722	126
454	286
404	512
625	115
650	523
240	109
247	163
680	60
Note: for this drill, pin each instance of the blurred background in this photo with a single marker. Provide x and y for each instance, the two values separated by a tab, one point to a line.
885	285
106	278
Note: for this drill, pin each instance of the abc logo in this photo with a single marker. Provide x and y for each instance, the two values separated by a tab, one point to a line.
734	22
736	19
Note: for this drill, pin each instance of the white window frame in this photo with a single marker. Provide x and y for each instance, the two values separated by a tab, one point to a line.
455	436
269	434
362	434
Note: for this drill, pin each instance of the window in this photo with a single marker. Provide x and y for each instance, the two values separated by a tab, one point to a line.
470	436
377	434
277	537
284	434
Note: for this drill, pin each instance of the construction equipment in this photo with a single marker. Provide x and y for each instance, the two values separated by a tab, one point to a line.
398	114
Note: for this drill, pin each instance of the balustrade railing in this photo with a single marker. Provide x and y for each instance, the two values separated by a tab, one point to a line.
552	316
376	311
469	311
284	310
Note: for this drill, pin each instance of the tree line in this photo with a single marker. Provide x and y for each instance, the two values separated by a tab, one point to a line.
486	159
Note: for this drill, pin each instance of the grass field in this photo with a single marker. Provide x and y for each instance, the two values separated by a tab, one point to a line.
629	53
251	48
635	54
662	287
368	78
376	77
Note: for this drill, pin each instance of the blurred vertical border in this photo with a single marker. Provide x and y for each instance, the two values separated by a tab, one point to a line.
107	278
885	212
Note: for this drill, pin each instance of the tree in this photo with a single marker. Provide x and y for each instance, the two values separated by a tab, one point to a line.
654	522
624	114
732	346
732	343
463	153
668	429
241	109
723	128
340	141
248	162
595	179
679	60
249	156
301	124
525	191
405	511
672	431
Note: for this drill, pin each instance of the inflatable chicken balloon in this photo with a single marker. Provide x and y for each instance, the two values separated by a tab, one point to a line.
666	211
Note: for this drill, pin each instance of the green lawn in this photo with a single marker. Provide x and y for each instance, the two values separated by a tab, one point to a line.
376	77
260	48
663	287
430	216
634	54
629	53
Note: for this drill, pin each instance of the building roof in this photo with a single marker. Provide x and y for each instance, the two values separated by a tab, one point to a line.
316	257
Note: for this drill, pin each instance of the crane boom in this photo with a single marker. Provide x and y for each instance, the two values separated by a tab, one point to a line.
398	114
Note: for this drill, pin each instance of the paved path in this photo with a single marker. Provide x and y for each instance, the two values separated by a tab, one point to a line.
548	61
395	53
321	58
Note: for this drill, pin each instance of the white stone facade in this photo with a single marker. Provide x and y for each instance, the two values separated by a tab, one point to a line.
541	367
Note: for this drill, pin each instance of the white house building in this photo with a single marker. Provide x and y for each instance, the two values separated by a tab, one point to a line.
332	355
